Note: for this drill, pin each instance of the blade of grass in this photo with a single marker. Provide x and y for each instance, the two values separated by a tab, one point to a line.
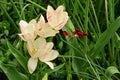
105	37
37	5
18	55
8	16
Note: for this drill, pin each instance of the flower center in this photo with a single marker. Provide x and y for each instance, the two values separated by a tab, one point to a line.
34	52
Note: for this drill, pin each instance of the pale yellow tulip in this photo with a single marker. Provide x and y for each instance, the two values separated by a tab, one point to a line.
28	31
57	18
42	50
44	29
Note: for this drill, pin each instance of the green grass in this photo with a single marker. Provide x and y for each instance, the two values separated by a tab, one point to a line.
92	57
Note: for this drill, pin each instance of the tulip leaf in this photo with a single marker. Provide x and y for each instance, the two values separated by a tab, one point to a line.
11	72
105	37
110	71
18	55
56	68
45	77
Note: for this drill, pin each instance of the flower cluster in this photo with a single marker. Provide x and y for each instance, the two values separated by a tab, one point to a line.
38	48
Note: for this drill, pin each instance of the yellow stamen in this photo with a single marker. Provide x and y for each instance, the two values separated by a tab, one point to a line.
33	52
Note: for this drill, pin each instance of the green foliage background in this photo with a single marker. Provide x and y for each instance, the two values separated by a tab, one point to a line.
93	57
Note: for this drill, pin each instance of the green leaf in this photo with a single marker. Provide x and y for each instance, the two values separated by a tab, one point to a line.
105	37
78	64
111	71
12	73
45	77
56	68
18	55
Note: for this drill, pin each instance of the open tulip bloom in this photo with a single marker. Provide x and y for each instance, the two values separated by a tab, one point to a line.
44	29
42	51
57	18
28	30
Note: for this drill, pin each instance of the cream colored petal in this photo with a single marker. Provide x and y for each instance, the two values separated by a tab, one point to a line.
22	37
25	37
36	47
23	24
32	64
47	31
48	47
33	21
51	55
30	47
50	64
40	42
40	23
40	26
50	12
39	45
60	9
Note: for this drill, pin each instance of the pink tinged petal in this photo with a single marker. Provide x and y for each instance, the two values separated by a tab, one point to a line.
53	21
50	12
22	37
25	37
47	48
63	18
23	24
41	22
32	64
50	64
59	9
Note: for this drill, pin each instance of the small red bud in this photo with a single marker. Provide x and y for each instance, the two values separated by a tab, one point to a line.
78	33
65	33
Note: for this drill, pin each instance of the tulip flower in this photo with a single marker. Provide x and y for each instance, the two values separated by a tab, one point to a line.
28	31
57	18
44	29
42	51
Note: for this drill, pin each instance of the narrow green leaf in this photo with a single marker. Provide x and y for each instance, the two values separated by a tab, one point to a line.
8	16
12	73
18	55
36	5
56	68
105	37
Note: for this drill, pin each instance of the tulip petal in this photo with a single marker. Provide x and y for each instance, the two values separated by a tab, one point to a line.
59	9
36	47
63	18
40	23
23	24
50	11
51	55
50	64
32	64
28	31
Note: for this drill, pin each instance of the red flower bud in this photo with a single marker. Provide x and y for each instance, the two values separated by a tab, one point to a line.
78	33
65	33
